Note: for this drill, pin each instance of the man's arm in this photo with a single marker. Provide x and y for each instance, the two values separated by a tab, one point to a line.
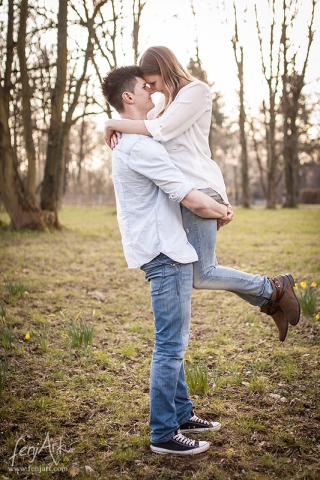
203	205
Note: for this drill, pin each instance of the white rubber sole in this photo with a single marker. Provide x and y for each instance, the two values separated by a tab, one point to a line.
193	451
215	428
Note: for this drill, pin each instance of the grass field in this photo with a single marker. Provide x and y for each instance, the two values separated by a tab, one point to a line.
72	407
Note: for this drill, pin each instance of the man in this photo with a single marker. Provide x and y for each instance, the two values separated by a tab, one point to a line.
149	189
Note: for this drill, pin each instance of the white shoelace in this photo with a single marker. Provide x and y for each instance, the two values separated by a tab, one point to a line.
184	440
199	420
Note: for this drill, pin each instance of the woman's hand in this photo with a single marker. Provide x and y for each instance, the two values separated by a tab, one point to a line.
222	222
111	136
114	139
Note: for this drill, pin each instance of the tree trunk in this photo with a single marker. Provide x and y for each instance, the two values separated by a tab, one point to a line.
67	124
245	197
293	83
54	148
272	80
291	168
238	55
26	107
272	158
20	206
81	149
137	7
290	106
259	161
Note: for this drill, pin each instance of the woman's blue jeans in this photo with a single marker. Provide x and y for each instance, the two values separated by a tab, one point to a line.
208	274
170	289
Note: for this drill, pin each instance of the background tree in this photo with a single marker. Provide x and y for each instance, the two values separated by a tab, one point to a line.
258	156
271	72
54	144
19	201
292	84
26	94
50	143
238	55
137	7
55	86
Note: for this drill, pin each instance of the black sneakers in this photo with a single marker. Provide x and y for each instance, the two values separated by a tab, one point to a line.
180	445
196	424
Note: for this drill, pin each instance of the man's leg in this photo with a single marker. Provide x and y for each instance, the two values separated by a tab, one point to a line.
171	288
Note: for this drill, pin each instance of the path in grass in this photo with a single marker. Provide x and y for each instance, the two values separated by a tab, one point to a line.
88	406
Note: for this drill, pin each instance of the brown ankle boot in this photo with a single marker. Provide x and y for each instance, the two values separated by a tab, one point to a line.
284	295
274	310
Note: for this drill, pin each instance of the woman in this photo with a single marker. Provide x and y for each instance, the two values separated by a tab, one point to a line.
181	121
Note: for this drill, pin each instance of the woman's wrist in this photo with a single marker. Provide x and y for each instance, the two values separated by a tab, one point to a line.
110	124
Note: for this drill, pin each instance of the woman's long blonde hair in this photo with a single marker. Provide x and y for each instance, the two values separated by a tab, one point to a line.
162	61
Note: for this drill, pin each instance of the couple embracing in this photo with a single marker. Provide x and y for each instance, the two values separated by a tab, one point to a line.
171	202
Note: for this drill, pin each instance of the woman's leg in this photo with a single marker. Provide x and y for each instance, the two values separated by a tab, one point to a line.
208	274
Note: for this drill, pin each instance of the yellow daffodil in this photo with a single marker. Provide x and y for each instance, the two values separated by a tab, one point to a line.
303	284
27	337
77	317
296	285
318	316
313	284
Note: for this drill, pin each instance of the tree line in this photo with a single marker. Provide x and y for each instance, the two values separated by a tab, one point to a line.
47	87
284	78
51	70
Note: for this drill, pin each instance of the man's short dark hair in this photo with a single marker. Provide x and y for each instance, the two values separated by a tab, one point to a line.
119	80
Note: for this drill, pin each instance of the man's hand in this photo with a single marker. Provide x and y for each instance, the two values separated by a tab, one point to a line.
205	206
110	135
222	222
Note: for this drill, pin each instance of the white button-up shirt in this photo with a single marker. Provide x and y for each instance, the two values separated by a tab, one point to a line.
184	129
149	189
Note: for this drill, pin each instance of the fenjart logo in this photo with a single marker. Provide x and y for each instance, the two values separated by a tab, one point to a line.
52	448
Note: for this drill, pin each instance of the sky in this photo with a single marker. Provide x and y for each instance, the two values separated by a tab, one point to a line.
172	24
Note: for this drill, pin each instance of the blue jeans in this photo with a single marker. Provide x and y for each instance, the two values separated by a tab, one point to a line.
208	274
170	289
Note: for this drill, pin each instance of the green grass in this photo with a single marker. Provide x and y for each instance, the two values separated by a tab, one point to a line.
6	338
80	333
94	402
308	300
197	379
3	312
3	374
15	288
42	336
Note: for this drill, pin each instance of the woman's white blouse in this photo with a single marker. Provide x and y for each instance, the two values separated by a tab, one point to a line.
184	130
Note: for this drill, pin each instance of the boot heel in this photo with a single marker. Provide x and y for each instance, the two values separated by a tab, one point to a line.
291	279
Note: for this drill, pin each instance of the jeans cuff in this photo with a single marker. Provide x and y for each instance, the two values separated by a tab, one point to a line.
187	418
164	439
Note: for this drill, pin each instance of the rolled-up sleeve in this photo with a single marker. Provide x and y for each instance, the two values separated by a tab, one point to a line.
181	114
150	159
